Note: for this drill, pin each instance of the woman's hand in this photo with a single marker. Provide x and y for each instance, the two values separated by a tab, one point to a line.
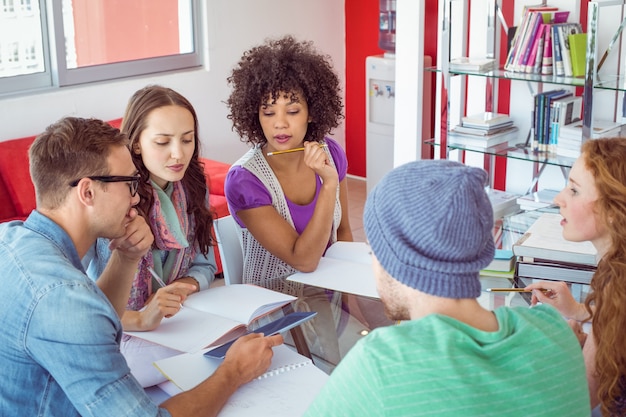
316	158
165	302
558	296
577	328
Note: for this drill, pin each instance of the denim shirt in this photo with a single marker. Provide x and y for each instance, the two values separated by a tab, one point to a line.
59	346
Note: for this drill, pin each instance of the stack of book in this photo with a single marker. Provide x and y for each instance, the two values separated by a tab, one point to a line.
543	254
502	203
502	265
545	43
570	135
484	130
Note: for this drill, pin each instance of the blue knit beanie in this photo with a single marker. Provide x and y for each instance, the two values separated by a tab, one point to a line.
429	224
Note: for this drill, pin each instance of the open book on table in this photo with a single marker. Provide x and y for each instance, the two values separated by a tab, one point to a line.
215	316
287	388
346	267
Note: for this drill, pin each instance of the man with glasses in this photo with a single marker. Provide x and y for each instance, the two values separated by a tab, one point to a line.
61	331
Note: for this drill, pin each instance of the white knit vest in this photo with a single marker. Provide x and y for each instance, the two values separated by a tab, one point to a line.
260	266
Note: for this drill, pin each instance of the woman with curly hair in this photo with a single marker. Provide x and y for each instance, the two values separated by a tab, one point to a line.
163	130
593	206
291	206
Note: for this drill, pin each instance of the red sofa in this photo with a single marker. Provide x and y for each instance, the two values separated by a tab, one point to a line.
17	193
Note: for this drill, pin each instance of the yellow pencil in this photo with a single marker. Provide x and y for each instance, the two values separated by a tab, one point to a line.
513	290
290	150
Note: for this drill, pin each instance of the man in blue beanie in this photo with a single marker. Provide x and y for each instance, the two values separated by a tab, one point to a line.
429	224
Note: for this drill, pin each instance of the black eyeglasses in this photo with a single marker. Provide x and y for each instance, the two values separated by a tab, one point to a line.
133	182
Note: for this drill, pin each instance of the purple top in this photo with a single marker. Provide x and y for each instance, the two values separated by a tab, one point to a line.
245	191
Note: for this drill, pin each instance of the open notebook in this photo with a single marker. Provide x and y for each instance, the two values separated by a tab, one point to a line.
286	389
345	267
215	316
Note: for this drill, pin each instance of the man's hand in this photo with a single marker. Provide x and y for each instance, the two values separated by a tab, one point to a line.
251	355
137	240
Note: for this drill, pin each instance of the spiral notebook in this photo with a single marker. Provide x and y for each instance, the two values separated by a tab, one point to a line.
287	388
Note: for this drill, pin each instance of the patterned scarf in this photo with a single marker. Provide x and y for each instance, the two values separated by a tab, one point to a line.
173	229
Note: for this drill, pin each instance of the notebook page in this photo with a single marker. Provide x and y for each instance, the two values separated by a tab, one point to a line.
239	302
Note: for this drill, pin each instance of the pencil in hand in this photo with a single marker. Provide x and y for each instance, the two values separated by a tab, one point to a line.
291	150
544	290
159	280
157	277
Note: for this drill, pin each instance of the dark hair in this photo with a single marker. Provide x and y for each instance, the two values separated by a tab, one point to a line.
70	149
288	66
604	158
140	105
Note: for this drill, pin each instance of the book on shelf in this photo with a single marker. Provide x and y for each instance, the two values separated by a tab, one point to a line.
497	274
565	30
486	120
536	55
541	115
287	388
464	130
600	129
503	261
345	267
472	64
578	53
564	111
215	316
544	240
502	203
546	65
530	43
556	53
483	141
536	22
554	271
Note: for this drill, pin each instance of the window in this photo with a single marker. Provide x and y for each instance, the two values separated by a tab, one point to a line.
94	40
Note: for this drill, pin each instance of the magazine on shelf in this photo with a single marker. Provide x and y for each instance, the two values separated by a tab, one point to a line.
472	64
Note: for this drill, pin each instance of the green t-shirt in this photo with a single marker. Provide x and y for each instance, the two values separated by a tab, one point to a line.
438	366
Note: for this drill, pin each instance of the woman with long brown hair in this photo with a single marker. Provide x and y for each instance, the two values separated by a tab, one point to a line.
162	126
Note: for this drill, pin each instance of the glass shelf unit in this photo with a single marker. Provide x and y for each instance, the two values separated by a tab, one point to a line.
606	82
592	82
518	151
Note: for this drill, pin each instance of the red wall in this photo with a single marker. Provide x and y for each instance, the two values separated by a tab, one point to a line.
362	41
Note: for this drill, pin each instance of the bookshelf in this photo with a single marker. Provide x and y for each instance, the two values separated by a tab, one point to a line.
456	88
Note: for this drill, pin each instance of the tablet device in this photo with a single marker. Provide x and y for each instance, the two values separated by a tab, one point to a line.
280	325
